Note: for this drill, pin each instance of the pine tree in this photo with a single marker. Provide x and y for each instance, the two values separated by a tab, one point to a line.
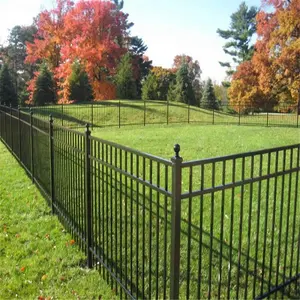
209	99
242	28
44	88
8	93
80	88
124	80
183	89
149	88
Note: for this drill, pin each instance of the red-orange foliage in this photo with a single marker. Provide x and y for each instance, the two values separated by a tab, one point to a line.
86	32
244	91
276	61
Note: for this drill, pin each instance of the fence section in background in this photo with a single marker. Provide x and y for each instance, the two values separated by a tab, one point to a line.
224	227
138	112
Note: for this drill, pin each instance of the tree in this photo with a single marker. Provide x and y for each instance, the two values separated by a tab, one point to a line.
124	80
221	93
150	88
183	90
278	50
14	55
244	91
44	87
194	73
209	99
141	64
241	30
8	94
89	32
79	86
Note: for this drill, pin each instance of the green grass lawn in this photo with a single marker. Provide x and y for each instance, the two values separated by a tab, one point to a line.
37	256
133	112
198	142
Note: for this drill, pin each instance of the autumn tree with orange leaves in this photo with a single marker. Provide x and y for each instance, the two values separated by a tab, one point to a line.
273	75
90	33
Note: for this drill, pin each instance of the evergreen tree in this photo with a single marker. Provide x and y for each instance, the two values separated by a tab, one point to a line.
8	93
125	82
80	88
44	88
209	99
183	89
242	28
141	64
149	88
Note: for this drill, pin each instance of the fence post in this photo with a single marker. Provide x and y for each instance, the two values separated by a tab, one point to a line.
175	224
119	113
62	114
51	146
213	116
19	129
239	114
144	112
88	199
11	130
189	111
167	111
92	115
31	145
267	115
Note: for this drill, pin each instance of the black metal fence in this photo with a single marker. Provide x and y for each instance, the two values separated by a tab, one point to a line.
226	227
138	112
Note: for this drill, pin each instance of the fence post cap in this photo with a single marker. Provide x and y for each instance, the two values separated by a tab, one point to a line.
50	118
31	111
87	126
177	150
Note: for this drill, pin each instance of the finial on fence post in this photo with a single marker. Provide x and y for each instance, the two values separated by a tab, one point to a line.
51	118
177	150
31	111
87	126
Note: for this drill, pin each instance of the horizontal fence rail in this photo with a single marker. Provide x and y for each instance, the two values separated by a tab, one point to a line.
224	227
119	113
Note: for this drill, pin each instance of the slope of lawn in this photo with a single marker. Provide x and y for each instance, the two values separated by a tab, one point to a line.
133	112
198	141
37	257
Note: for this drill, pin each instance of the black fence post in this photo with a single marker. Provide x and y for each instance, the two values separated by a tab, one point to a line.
239	114
92	115
62	114
267	115
51	146
11	130
88	199
144	112
119	113
175	224
167	111
213	116
189	111
19	130
31	145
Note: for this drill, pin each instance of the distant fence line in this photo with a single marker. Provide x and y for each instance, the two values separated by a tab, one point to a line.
139	112
226	227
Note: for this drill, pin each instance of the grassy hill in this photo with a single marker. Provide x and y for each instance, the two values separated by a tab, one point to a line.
138	112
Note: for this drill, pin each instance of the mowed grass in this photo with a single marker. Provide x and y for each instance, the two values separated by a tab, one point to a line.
37	257
138	112
198	142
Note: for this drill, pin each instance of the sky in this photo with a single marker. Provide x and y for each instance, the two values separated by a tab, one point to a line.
168	27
